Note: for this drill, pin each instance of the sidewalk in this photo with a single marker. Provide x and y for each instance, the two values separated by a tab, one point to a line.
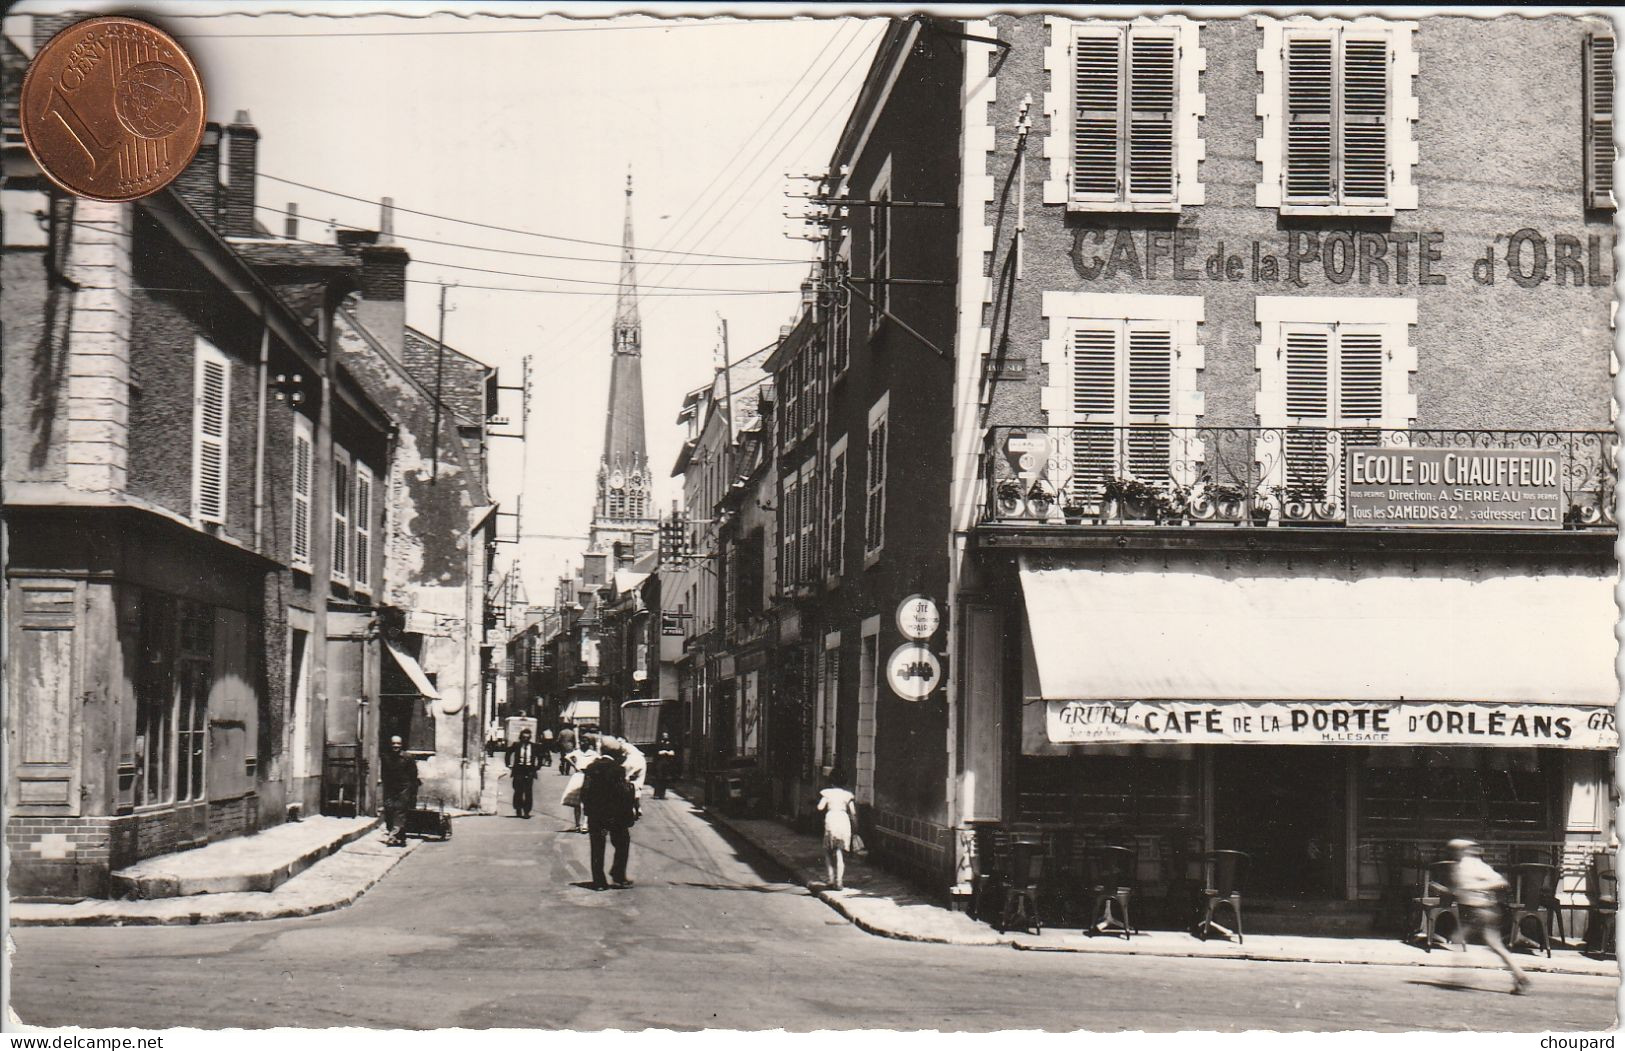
296	869
883	904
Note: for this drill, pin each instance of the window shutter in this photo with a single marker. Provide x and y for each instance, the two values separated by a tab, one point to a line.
341	519
1152	62
791	518
363	527
1359	383
1097	113
1094	408
1365	121
211	427
875	487
1309	140
1599	128
1308	405
809	508
302	458
837	513
1150	402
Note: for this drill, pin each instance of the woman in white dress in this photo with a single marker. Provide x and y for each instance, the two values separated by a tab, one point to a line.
840	809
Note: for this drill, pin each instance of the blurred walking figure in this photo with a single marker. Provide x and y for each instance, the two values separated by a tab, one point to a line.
577	760
398	773
1477	889
547	747
523	761
566	745
840	809
664	767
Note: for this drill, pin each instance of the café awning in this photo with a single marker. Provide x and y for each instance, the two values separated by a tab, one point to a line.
580	712
1194	631
414	672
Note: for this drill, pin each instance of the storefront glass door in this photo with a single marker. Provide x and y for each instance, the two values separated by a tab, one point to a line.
1283	806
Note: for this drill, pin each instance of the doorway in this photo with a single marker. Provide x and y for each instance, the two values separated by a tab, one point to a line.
1283	805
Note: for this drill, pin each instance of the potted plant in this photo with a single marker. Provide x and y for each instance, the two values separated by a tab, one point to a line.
1074	509
1138	500
1009	494
1040	498
1222	501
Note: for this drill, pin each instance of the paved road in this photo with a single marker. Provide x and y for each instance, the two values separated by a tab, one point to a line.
494	929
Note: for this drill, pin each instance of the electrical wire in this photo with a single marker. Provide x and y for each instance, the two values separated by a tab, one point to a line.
583	292
509	251
510	229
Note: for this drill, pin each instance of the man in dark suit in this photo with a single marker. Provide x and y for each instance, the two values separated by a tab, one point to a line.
523	759
398	773
609	799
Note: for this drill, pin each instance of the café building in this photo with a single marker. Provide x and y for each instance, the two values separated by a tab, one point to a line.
1285	460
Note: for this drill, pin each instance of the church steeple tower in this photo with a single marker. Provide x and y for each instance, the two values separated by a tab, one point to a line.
625	508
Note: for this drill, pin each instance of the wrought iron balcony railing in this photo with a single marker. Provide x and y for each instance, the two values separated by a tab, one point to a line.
1098	475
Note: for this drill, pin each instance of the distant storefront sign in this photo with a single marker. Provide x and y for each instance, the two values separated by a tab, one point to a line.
1475	488
1331	722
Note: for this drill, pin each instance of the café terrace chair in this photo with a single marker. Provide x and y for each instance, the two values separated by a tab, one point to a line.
1602	895
1022	880
1109	881
1534	888
1436	900
1226	879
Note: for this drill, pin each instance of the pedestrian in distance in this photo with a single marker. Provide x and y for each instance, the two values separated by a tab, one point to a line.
840	809
523	760
566	745
577	760
547	746
664	767
608	798
398	774
1477	888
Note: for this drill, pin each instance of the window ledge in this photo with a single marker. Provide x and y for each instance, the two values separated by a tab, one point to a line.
1076	207
1337	210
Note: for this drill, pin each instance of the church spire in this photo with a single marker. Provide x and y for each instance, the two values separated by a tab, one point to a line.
624	511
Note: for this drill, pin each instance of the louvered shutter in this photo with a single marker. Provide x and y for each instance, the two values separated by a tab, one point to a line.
874	534
809	508
302	460
1365	121
1599	116
1097	96
211	435
837	513
363	528
791	517
341	519
1094	407
1310	65
1151	88
1150	402
1308	352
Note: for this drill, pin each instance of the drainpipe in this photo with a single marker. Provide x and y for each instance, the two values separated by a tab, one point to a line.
321	556
259	436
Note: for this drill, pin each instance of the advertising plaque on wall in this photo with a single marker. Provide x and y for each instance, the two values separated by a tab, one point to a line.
1331	722
1471	488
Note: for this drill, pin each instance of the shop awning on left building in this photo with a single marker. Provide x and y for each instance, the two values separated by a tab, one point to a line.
1253	654
414	672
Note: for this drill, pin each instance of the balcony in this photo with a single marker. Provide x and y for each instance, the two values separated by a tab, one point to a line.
1146	474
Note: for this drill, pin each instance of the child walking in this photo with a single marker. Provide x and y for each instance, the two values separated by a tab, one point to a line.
840	809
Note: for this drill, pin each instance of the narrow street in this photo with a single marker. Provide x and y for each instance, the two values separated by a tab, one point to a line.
495	929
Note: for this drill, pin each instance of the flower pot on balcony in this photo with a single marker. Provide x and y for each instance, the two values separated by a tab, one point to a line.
1261	516
1074	513
1141	509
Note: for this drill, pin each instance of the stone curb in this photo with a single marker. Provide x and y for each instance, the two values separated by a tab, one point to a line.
159	885
353	871
837	900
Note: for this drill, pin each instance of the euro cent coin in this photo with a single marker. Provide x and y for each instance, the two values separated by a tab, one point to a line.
112	109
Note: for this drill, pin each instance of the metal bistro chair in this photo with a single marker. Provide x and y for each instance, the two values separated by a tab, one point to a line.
1023	877
990	875
1435	900
1602	894
1534	887
1226	873
1109	880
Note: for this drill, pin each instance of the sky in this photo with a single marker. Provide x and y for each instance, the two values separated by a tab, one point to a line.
529	124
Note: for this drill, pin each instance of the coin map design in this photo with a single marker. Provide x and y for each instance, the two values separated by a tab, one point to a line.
112	109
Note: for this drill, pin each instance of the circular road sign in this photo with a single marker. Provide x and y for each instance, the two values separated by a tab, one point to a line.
918	618
913	671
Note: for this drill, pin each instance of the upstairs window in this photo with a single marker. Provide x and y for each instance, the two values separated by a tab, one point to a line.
874	481
880	254
835	555
342	495
1599	120
1125	105
303	464
807	568
790	545
840	332
1337	113
211	433
1122	403
362	562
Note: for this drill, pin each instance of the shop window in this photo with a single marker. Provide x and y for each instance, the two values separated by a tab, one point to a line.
1483	793
1599	119
155	692
194	675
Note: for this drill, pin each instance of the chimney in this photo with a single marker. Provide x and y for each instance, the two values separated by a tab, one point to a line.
242	148
290	221
383	284
199	184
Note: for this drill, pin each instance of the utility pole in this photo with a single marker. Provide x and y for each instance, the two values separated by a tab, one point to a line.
727	403
439	379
